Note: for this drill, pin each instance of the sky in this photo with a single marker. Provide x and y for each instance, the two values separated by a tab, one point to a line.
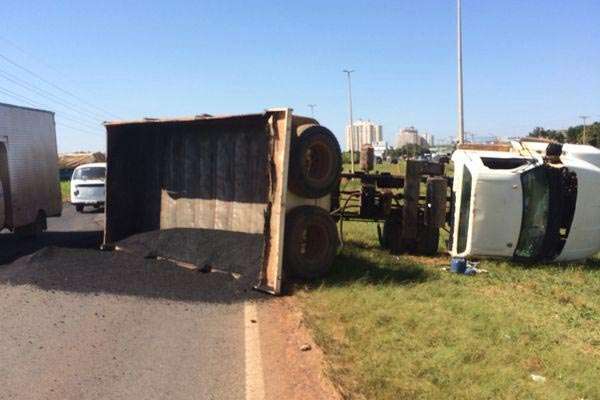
527	63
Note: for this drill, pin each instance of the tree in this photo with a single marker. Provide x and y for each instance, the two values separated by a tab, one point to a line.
346	157
550	134
592	134
411	149
573	134
393	153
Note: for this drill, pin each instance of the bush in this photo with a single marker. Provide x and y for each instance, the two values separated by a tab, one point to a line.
346	157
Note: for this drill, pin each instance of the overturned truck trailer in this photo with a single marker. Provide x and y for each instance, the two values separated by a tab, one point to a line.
249	194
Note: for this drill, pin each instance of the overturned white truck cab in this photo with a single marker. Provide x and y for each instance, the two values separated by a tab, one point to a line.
528	200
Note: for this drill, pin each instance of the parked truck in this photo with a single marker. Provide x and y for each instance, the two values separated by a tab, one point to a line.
527	200
29	185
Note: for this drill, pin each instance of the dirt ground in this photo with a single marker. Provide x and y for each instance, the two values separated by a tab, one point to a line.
294	373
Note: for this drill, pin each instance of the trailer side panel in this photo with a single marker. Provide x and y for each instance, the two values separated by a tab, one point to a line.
29	137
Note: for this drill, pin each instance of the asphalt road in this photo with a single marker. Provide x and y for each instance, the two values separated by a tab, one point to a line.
70	230
78	323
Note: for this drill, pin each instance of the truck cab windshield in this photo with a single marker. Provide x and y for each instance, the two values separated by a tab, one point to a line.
536	206
90	174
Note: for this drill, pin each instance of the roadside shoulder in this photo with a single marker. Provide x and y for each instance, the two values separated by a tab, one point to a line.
293	364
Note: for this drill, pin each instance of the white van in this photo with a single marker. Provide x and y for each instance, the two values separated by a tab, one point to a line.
526	200
88	186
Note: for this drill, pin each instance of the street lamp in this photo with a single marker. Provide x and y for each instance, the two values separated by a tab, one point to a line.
348	72
584	118
312	109
461	121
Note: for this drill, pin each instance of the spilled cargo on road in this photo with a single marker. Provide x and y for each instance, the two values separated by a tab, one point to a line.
213	192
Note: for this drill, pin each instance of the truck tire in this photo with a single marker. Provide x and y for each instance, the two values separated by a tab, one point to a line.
33	229
311	242
79	208
315	162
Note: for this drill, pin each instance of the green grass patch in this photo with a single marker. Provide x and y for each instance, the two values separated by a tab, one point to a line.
398	327
65	191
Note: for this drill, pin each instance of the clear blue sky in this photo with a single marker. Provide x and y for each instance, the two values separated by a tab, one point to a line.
527	63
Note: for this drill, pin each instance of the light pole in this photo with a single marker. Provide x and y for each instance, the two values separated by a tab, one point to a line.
461	121
312	109
584	118
416	140
348	72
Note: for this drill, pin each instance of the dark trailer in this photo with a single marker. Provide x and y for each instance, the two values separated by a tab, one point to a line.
211	190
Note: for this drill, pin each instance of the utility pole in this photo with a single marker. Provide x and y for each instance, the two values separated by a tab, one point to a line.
348	72
461	120
584	118
416	139
312	109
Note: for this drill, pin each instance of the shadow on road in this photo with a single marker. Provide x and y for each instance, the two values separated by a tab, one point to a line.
13	246
67	259
71	262
93	272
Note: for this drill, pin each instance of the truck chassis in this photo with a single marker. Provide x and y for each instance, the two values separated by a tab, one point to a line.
412	217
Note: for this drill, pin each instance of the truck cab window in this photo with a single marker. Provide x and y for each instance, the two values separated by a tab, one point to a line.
536	202
465	210
504	163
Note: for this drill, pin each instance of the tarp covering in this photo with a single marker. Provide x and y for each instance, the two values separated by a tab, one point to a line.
74	160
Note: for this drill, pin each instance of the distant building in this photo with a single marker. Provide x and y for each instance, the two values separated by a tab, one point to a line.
364	132
430	139
410	135
379	148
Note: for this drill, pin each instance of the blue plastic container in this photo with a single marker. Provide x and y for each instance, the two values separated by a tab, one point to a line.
458	265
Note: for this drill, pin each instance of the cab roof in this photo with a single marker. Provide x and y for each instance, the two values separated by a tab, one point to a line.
92	165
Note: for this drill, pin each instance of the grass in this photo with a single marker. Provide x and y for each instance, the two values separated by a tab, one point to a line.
65	191
401	328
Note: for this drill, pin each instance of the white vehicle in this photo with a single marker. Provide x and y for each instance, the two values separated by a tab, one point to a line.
526	200
29	186
88	186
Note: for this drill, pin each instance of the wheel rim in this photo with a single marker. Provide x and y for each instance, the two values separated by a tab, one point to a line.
317	162
314	243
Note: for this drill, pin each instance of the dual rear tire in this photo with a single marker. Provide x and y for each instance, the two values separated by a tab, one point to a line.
311	242
315	162
311	238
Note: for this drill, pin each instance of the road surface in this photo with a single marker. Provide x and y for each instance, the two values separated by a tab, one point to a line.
78	323
71	230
